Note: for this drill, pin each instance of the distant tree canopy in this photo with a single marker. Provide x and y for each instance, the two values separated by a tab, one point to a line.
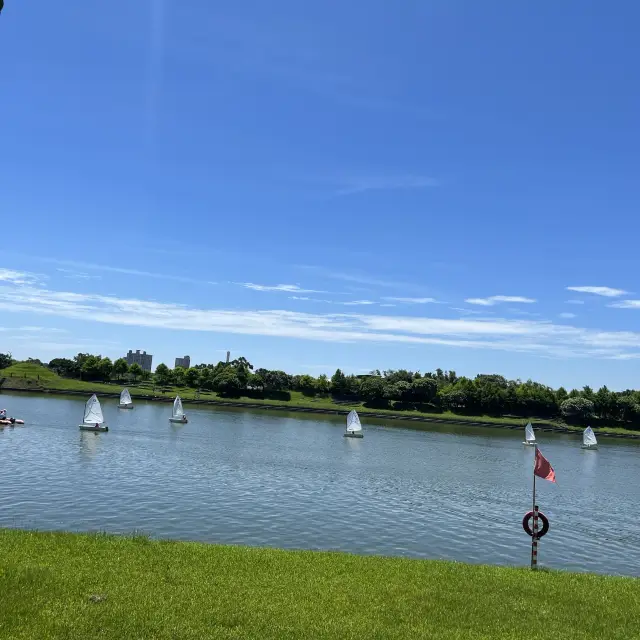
438	391
5	358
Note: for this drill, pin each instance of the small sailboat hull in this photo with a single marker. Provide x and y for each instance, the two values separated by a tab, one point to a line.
179	420
592	447
354	435
529	444
89	427
10	423
125	406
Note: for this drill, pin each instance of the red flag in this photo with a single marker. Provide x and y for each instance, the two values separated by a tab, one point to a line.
542	468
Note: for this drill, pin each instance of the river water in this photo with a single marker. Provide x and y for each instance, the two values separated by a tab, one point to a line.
292	481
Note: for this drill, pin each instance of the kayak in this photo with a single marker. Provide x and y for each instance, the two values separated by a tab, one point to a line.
10	421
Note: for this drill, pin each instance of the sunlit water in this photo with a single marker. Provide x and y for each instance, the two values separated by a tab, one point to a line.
293	481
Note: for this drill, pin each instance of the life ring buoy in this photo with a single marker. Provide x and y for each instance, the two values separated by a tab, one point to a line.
545	524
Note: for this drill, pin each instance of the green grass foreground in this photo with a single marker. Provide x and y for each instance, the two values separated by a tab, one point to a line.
61	585
35	378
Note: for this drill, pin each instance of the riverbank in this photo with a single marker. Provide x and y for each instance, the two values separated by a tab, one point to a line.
27	377
61	585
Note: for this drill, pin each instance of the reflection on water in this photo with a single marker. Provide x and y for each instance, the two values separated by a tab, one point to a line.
294	481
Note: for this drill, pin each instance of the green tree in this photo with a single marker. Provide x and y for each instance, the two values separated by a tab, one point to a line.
306	384
372	390
578	410
400	391
136	371
120	368
192	377
144	374
227	382
322	384
106	369
424	389
604	403
162	375
65	367
91	368
5	360
338	383
178	376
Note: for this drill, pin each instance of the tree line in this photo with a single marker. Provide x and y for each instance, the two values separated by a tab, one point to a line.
438	391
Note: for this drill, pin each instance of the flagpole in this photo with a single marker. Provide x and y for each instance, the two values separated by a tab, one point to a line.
534	537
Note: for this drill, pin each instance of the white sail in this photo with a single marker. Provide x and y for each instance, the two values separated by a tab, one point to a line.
125	397
353	422
529	436
589	438
177	408
93	411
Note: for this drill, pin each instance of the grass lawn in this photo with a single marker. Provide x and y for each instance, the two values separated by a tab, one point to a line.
60	585
37	378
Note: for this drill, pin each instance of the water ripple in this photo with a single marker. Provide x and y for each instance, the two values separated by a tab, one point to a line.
294	482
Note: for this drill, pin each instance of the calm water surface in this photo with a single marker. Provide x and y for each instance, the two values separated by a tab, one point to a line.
277	480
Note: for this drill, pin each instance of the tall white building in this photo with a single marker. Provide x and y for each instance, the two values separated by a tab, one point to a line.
143	359
184	362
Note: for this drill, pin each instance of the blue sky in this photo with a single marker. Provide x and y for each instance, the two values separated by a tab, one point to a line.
191	177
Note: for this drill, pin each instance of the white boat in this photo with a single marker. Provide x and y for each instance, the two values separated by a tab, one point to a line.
125	400
354	428
529	436
93	419
178	414
589	439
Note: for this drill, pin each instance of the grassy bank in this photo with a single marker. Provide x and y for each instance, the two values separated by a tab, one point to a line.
78	586
35	378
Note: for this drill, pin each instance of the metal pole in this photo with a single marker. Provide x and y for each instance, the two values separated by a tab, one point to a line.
534	537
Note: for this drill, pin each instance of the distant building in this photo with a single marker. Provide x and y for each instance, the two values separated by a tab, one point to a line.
185	362
143	359
228	356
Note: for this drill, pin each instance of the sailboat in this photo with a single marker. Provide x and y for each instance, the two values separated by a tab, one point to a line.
529	436
125	400
354	428
589	439
178	414
93	419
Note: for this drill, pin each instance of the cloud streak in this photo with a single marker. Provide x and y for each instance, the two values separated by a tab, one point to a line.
411	300
523	336
493	300
287	288
625	304
607	292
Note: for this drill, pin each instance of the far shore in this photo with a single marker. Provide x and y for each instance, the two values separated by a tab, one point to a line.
416	421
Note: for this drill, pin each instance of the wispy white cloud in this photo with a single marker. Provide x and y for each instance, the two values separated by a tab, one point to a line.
607	292
19	277
574	301
626	304
361	184
287	288
78	265
525	336
411	300
76	275
361	278
492	300
567	315
469	311
356	303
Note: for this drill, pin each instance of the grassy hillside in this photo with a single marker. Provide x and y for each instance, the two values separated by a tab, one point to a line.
71	586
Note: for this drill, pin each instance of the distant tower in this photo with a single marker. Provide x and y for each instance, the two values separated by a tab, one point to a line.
228	356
